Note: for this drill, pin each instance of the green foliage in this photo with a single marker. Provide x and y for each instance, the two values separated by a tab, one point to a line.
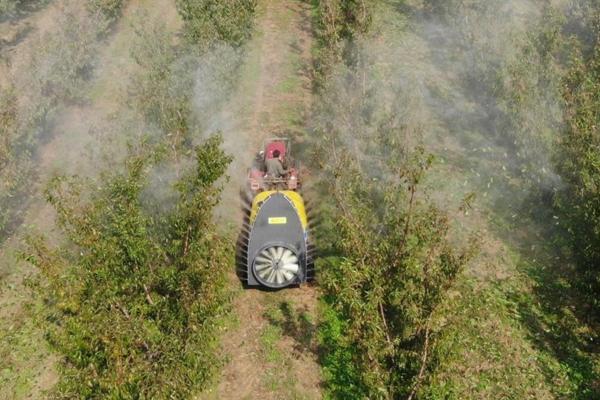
484	352
339	20
337	24
8	7
14	169
340	372
162	88
133	307
528	93
485	83
175	89
513	78
578	162
110	9
208	22
386	291
394	260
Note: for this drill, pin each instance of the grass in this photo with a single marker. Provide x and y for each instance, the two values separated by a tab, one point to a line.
279	66
276	378
285	322
486	353
295	323
27	364
269	338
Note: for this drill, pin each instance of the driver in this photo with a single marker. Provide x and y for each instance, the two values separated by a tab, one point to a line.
274	166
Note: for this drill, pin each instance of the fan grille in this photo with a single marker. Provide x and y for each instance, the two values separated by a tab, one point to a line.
276	266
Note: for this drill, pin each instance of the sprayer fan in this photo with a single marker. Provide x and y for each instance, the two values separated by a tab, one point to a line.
276	266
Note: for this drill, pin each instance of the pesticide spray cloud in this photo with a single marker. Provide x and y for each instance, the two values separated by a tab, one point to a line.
471	81
215	105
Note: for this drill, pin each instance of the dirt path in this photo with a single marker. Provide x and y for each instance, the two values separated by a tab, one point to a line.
270	346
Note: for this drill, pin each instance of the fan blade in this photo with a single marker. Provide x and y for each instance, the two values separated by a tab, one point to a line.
293	268
262	259
273	252
264	273
278	278
279	252
261	267
291	259
286	254
287	274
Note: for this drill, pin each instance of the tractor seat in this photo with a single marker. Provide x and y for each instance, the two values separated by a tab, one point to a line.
271	147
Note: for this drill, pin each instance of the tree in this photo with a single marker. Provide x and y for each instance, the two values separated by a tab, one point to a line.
133	298
212	21
578	160
395	266
391	259
338	24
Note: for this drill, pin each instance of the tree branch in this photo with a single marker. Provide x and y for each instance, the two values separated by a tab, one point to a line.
387	330
186	242
423	364
413	190
148	298
123	310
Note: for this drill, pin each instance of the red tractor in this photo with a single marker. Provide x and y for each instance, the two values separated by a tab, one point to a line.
258	179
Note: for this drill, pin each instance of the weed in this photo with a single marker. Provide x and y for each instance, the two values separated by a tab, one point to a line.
269	339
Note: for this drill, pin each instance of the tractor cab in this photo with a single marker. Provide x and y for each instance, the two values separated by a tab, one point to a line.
258	179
